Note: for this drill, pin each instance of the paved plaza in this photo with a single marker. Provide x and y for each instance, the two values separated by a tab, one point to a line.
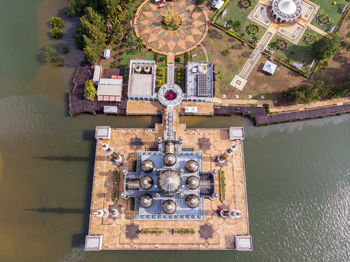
214	232
194	28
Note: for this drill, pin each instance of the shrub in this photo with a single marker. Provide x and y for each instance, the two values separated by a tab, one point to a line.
253	29
199	2
50	54
56	22
116	174
171	21
56	33
90	90
267	107
65	49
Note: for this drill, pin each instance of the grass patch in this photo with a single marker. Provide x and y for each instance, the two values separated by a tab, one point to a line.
300	53
222	186
236	13
135	54
333	11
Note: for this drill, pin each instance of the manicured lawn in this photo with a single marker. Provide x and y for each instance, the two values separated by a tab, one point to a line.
134	54
236	13
333	11
300	53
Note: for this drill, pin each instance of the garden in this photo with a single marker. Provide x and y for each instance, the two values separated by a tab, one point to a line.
237	21
297	54
228	56
329	14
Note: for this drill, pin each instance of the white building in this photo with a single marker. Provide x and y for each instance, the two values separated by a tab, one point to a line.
269	68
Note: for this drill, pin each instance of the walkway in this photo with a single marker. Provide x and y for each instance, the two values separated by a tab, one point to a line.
240	80
205	52
317	30
262	118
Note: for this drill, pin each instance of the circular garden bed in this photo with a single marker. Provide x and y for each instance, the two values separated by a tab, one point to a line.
245	4
323	19
310	39
281	44
171	21
253	29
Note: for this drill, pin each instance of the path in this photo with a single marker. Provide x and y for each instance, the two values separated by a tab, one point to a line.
205	52
316	29
240	80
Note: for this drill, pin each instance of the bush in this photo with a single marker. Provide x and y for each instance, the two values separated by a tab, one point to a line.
199	2
90	91
65	49
253	29
267	107
56	22
50	54
56	33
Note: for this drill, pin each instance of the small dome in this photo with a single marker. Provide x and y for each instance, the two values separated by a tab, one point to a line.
146	182
192	166
169	207
192	182
147	166
146	201
192	201
169	159
169	182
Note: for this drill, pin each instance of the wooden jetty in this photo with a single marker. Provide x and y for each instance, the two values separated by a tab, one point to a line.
262	118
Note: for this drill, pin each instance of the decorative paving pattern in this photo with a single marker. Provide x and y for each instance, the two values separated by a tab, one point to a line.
132	231
206	231
148	26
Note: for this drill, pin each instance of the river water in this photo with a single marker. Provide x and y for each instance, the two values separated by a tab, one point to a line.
298	174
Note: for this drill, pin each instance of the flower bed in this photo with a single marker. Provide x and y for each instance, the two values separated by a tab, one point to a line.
253	29
245	4
309	39
281	44
323	19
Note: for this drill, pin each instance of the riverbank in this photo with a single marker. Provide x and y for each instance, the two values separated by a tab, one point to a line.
252	109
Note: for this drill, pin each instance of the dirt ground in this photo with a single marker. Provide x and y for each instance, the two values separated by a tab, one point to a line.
226	65
270	86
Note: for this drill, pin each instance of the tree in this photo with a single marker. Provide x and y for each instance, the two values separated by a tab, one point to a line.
56	33
91	55
326	46
172	20
56	22
90	90
50	54
199	2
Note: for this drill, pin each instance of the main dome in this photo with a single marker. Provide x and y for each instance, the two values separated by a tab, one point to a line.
169	182
286	11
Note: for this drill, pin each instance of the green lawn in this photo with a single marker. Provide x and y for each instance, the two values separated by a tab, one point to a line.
134	54
333	11
300	53
235	13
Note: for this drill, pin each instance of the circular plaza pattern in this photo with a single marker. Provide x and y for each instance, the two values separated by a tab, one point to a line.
193	29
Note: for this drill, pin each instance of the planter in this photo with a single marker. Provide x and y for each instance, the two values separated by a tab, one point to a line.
310	39
323	19
253	29
245	4
281	44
